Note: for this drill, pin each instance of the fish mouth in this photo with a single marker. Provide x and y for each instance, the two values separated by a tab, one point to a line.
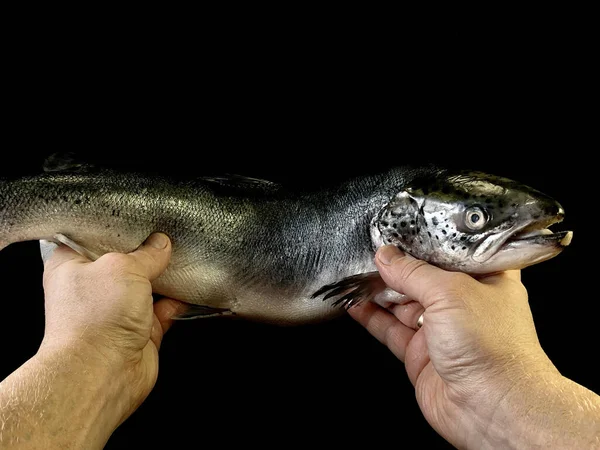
530	244
539	233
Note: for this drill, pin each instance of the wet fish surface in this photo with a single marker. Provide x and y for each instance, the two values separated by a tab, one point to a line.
255	249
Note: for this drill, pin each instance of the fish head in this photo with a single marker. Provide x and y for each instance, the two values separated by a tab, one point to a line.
472	222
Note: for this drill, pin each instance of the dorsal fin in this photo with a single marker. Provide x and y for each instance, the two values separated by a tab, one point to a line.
242	182
65	162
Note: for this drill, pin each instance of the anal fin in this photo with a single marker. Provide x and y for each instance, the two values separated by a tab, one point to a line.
202	312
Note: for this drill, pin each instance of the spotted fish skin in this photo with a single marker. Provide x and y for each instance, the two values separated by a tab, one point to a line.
248	247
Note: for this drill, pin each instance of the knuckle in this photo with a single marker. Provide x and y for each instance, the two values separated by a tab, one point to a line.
409	268
392	338
114	260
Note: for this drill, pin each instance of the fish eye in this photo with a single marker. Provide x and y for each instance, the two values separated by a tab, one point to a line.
475	218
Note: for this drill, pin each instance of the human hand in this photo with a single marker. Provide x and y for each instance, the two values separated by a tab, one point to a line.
103	311
476	350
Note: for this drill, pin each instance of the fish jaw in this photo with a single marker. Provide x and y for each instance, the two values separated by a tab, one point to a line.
525	249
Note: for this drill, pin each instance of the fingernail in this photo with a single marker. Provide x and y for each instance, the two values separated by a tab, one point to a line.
158	240
388	254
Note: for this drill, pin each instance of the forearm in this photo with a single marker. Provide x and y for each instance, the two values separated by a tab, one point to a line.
57	399
552	412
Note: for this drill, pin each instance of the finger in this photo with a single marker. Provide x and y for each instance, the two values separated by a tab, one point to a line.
408	313
55	255
404	273
513	275
164	310
153	255
417	357
384	327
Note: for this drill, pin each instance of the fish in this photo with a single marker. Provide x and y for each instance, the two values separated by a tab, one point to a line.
254	249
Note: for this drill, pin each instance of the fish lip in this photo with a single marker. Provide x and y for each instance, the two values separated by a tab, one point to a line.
532	233
529	244
538	233
562	238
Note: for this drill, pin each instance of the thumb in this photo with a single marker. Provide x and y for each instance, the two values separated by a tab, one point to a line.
410	276
153	255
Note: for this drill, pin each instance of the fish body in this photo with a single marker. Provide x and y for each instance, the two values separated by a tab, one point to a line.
260	251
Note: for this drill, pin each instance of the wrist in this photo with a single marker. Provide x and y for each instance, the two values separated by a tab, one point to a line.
60	398
120	372
90	351
543	410
95	384
503	414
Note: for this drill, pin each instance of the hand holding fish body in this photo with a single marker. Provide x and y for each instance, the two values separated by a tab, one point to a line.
259	251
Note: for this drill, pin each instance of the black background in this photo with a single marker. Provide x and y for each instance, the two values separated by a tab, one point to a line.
516	100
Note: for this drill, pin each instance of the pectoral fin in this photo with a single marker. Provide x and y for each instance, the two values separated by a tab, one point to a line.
354	289
365	287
